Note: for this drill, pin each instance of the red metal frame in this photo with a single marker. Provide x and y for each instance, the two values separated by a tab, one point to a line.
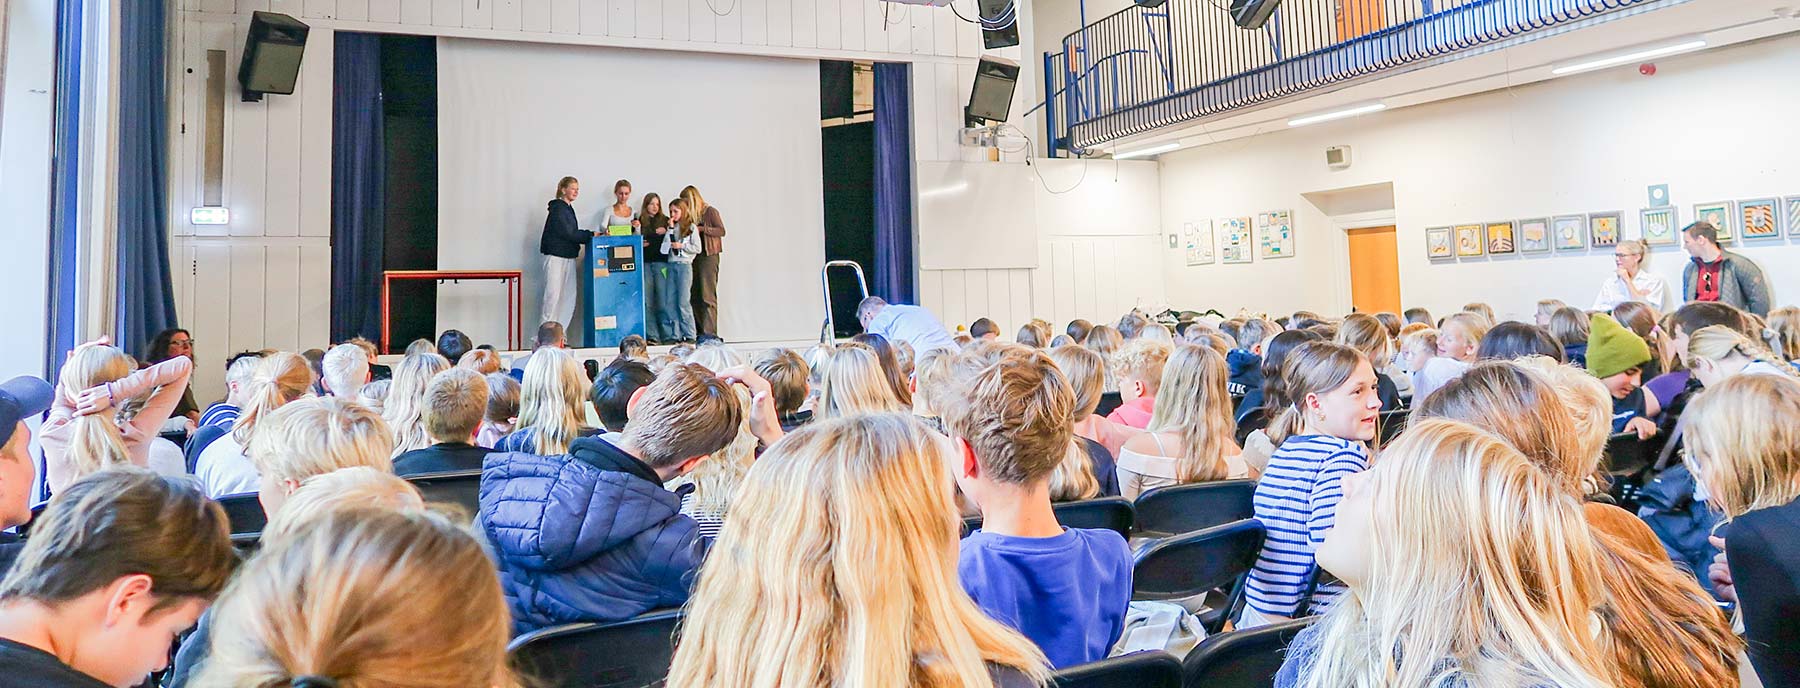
514	295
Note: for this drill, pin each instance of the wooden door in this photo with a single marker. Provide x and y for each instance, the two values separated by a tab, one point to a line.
1374	270
1358	17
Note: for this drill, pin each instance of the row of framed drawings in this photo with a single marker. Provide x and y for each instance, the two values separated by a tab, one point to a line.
1760	218
1274	238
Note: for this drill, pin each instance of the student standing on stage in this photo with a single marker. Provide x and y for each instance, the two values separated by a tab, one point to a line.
682	246
561	246
653	224
706	265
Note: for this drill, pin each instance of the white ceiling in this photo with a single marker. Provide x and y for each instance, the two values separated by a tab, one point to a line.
1719	22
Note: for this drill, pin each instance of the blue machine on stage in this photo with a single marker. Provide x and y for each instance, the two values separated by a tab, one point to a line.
612	286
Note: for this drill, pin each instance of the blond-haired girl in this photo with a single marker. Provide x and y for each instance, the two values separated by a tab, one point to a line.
551	407
82	434
224	467
853	382
404	407
1192	416
837	567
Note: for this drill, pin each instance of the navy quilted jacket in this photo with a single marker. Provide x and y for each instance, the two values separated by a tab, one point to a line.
587	536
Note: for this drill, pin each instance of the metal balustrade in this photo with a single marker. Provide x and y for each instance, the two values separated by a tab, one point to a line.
1149	67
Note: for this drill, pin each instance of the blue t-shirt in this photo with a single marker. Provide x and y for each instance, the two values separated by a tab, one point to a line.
1067	593
1296	500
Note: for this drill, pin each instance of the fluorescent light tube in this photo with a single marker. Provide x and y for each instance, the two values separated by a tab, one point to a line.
1339	114
1143	152
1628	58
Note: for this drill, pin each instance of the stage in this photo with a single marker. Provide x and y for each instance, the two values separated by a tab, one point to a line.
603	355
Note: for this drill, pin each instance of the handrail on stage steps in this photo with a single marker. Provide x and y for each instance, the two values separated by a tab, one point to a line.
828	334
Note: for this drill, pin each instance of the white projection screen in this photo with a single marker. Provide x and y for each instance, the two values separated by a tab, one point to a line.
515	117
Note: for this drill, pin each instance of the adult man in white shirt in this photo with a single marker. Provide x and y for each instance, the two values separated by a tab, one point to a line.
911	324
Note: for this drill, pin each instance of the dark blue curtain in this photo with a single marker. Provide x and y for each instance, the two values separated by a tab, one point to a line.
893	183
146	295
65	187
358	187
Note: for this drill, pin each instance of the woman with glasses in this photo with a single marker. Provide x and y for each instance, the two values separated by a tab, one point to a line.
166	345
1630	280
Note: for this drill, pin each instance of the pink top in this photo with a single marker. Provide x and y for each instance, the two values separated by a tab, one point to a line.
169	378
1135	413
1108	433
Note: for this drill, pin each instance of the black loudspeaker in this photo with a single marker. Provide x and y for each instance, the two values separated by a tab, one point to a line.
272	51
991	98
837	89
1251	14
999	23
1150	3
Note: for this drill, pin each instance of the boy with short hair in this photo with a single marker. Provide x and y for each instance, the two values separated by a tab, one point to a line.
613	390
455	403
120	563
593	535
787	374
984	329
1139	368
1616	355
1245	359
345	370
1067	589
20	398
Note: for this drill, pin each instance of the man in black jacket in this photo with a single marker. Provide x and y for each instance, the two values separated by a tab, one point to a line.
561	246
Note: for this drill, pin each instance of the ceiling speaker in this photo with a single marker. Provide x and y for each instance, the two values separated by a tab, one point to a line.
272	51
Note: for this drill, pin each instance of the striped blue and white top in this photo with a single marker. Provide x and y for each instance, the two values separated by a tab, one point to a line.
1296	500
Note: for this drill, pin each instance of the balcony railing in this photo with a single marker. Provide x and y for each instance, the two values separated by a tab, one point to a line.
1149	67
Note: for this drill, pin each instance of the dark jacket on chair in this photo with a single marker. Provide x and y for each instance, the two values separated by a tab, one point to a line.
587	536
440	457
563	235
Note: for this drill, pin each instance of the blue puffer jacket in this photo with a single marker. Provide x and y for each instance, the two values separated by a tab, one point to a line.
588	536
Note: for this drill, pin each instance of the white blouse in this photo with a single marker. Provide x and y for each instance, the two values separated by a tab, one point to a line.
1653	286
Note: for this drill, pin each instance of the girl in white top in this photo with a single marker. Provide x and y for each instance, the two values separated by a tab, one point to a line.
619	214
1193	415
1630	281
224	468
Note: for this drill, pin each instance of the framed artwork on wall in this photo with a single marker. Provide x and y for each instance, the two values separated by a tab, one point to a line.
1437	243
1660	225
1468	240
1275	233
1760	220
1235	245
1198	237
1790	214
1501	239
1603	229
1720	215
1569	232
1534	235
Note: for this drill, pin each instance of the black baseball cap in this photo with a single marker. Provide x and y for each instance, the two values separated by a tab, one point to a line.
20	398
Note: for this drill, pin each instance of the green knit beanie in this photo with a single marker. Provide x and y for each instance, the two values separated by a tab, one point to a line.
1612	349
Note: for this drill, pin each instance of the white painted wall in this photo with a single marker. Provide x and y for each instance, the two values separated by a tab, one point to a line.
25	133
752	146
1578	144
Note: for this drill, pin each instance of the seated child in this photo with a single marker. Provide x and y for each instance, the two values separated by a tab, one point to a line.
1616	356
592	535
613	389
1066	589
502	410
121	563
455	403
1139	367
1458	347
788	377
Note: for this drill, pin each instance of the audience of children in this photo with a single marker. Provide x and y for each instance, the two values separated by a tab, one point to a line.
797	552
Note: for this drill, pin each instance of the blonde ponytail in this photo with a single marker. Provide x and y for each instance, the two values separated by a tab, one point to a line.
404	408
1074	477
281	377
97	442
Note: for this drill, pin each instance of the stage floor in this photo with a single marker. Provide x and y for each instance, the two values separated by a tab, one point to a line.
609	353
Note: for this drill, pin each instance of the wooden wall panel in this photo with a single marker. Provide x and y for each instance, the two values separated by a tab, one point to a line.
281	298
535	16
315	134
355	10
387	11
314	315
415	12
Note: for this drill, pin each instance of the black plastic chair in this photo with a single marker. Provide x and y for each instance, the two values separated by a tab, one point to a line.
1628	462
1218	558
1155	669
462	488
245	513
1196	506
625	654
1252	421
1111	513
1390	423
1242	659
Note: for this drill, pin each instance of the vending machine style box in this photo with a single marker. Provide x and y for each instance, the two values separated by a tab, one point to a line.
613	289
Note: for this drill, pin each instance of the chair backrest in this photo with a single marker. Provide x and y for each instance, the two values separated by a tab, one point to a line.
1190	564
1195	506
1390	423
1242	659
462	488
1154	669
1253	420
244	512
632	653
1111	513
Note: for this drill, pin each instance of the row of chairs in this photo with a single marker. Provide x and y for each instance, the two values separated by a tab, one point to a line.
1159	512
637	652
